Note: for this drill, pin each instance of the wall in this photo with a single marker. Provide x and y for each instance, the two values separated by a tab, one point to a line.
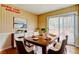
6	24
42	19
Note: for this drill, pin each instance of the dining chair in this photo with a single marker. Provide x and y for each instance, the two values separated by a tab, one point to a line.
21	48
58	48
66	38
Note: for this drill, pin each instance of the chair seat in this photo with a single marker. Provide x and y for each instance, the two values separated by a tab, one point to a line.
56	47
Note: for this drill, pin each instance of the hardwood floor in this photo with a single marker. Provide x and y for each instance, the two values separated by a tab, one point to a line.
9	51
70	50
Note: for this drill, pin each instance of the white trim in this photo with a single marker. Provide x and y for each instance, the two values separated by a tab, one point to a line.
76	30
77	46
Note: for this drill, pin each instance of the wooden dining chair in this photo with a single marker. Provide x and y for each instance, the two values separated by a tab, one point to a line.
66	39
58	50
21	48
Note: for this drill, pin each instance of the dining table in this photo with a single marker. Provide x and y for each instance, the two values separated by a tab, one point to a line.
41	41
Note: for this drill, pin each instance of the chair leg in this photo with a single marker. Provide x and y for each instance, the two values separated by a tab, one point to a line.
65	51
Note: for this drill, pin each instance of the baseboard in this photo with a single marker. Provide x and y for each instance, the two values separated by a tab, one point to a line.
74	45
5	48
77	46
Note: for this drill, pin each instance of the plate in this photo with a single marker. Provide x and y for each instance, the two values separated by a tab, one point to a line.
35	39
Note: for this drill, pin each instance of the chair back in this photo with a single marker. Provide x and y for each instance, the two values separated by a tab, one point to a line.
20	47
62	47
60	51
58	39
66	39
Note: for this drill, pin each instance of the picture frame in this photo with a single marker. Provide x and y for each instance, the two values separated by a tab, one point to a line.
19	23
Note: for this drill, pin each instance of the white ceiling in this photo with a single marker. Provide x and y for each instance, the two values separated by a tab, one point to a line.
41	8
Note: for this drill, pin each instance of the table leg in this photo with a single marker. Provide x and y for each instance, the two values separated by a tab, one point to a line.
43	50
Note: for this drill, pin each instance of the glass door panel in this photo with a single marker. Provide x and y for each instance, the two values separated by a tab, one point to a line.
61	28
69	28
54	25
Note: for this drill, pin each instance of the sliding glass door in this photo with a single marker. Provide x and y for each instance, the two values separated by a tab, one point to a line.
63	25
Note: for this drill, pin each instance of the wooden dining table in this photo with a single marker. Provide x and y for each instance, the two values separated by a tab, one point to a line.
39	41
